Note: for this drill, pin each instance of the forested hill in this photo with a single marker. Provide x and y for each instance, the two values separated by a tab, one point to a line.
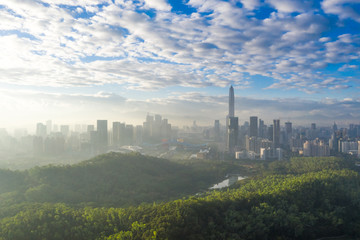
306	198
111	179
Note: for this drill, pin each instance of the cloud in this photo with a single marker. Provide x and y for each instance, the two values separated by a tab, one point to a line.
143	45
348	67
160	5
289	6
345	9
250	4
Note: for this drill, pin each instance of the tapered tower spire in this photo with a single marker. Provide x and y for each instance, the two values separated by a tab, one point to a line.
231	102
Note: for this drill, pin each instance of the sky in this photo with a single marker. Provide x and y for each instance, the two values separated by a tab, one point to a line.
75	61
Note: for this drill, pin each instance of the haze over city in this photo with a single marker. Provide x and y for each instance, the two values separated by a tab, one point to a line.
78	61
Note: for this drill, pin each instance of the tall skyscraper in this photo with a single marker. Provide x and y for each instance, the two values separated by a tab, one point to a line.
261	129
288	133
232	123
288	129
253	126
231	102
233	132
276	133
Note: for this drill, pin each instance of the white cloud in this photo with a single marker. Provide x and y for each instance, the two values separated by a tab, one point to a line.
215	46
343	8
250	4
289	6
160	5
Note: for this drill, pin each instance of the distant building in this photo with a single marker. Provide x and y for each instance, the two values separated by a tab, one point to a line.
288	131
48	126
232	124
117	130
261	130
232	132
316	148
155	130
276	133
253	144
270	132
253	126
65	130
41	130
102	135
350	147
217	130
231	102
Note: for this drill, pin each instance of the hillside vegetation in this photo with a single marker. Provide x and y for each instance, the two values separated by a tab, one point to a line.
111	179
306	198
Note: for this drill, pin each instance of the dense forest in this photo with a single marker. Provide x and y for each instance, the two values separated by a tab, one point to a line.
304	198
113	179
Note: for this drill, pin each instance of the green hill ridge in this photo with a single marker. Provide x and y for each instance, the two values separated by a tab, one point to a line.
305	198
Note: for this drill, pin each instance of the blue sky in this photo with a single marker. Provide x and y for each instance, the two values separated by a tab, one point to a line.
78	61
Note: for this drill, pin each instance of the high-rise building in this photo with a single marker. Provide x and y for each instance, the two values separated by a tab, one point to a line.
65	130
334	127
102	134
217	130
232	132
232	123
116	133
316	148
148	128
288	128
138	134
40	130
90	128
261	131
270	132
253	126
276	133
157	126
231	102
129	134
48	126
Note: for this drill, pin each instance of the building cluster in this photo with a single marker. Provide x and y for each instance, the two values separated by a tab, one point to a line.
256	140
51	139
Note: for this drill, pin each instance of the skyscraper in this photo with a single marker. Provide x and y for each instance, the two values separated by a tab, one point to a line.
276	133
217	130
40	130
232	123
233	132
261	129
253	126
231	102
116	133
288	128
102	134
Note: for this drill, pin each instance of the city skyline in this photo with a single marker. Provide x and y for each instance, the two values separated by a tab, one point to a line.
76	62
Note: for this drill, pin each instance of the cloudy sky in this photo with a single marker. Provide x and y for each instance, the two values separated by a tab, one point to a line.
75	61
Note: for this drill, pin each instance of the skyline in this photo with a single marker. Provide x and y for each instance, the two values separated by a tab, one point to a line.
75	62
